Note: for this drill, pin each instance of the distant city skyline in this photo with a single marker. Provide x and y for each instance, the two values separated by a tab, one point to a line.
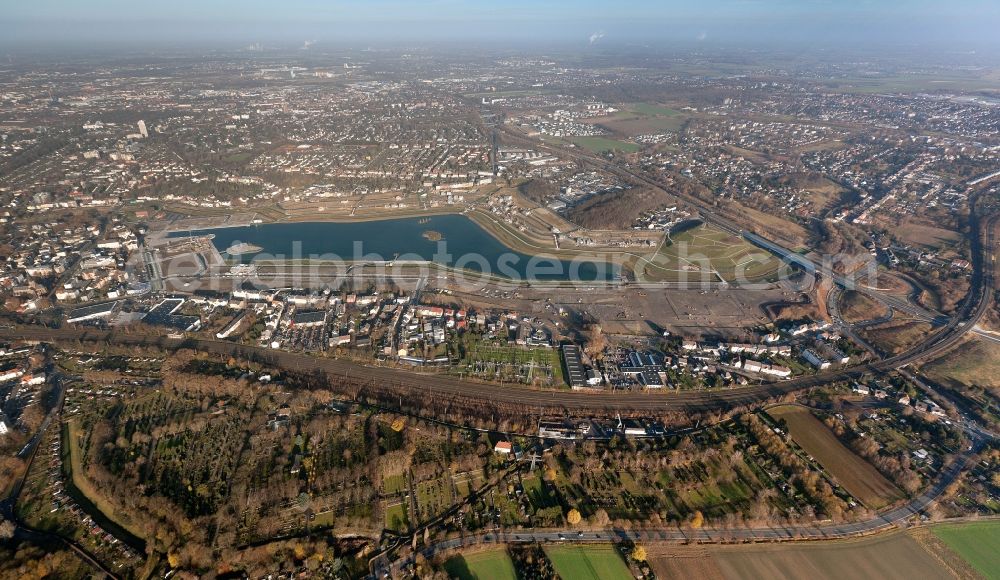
585	22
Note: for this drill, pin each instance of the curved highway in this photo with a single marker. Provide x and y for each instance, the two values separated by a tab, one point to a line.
710	215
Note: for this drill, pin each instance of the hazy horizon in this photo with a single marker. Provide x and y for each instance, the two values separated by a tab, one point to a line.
849	23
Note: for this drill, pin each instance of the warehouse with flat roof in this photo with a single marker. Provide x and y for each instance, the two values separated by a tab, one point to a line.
575	375
92	312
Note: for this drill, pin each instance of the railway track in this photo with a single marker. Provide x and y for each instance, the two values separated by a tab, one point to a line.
975	305
452	387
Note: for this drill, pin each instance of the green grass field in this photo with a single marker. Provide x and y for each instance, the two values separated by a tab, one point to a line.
703	248
602	144
394	484
491	565
538	495
599	562
396	517
433	496
978	543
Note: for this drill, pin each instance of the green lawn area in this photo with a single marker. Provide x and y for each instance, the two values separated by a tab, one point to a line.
395	517
602	144
324	520
466	483
978	543
394	484
433	496
241	157
491	565
706	249
599	562
655	124
537	494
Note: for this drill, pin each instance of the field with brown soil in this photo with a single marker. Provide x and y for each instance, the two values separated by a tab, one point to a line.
894	555
926	235
643	125
856	475
822	191
774	227
788	310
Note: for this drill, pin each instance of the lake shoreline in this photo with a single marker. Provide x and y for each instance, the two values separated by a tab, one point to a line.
458	240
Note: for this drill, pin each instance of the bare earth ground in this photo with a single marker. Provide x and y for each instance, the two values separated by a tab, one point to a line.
640	126
856	307
857	476
787	230
686	562
690	313
926	234
792	310
617	210
890	283
823	192
897	555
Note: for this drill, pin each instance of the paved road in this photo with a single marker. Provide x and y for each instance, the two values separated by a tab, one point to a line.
897	517
711	215
27	453
971	311
383	378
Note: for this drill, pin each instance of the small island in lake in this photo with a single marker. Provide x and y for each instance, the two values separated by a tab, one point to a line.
432	235
243	248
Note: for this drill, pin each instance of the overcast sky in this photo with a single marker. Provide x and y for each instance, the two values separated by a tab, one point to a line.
53	22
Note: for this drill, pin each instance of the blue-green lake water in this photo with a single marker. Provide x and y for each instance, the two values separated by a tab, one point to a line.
464	245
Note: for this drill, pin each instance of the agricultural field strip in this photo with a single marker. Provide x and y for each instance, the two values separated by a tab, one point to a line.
856	475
